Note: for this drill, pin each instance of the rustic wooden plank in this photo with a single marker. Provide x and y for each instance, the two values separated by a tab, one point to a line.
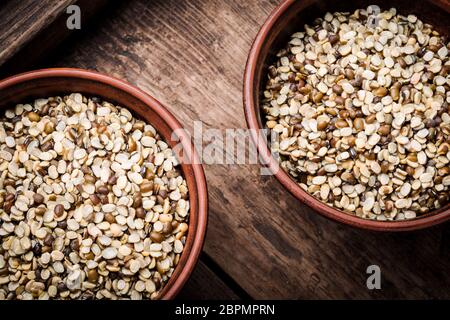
204	284
31	36
191	56
21	20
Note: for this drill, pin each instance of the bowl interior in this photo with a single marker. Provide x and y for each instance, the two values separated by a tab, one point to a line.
300	13
290	17
59	82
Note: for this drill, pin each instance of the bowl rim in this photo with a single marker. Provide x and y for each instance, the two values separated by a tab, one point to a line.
173	123
252	122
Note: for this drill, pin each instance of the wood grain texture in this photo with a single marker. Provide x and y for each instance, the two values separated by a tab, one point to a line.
204	284
190	55
21	20
28	38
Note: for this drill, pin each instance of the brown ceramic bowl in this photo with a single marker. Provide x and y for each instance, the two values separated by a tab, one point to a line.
289	17
48	82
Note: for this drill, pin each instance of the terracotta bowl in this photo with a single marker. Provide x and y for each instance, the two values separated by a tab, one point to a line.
48	82
289	17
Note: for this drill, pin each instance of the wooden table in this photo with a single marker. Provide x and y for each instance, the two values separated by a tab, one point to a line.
261	243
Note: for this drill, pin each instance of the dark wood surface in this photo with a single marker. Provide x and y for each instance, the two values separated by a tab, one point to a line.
206	284
190	55
23	20
32	29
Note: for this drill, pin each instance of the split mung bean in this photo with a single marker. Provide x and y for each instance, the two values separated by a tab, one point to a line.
86	211
362	113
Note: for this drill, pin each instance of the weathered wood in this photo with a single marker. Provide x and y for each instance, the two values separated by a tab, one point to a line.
30	30
21	21
191	56
205	284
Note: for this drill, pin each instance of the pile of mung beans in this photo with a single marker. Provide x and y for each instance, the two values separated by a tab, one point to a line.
92	205
361	112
